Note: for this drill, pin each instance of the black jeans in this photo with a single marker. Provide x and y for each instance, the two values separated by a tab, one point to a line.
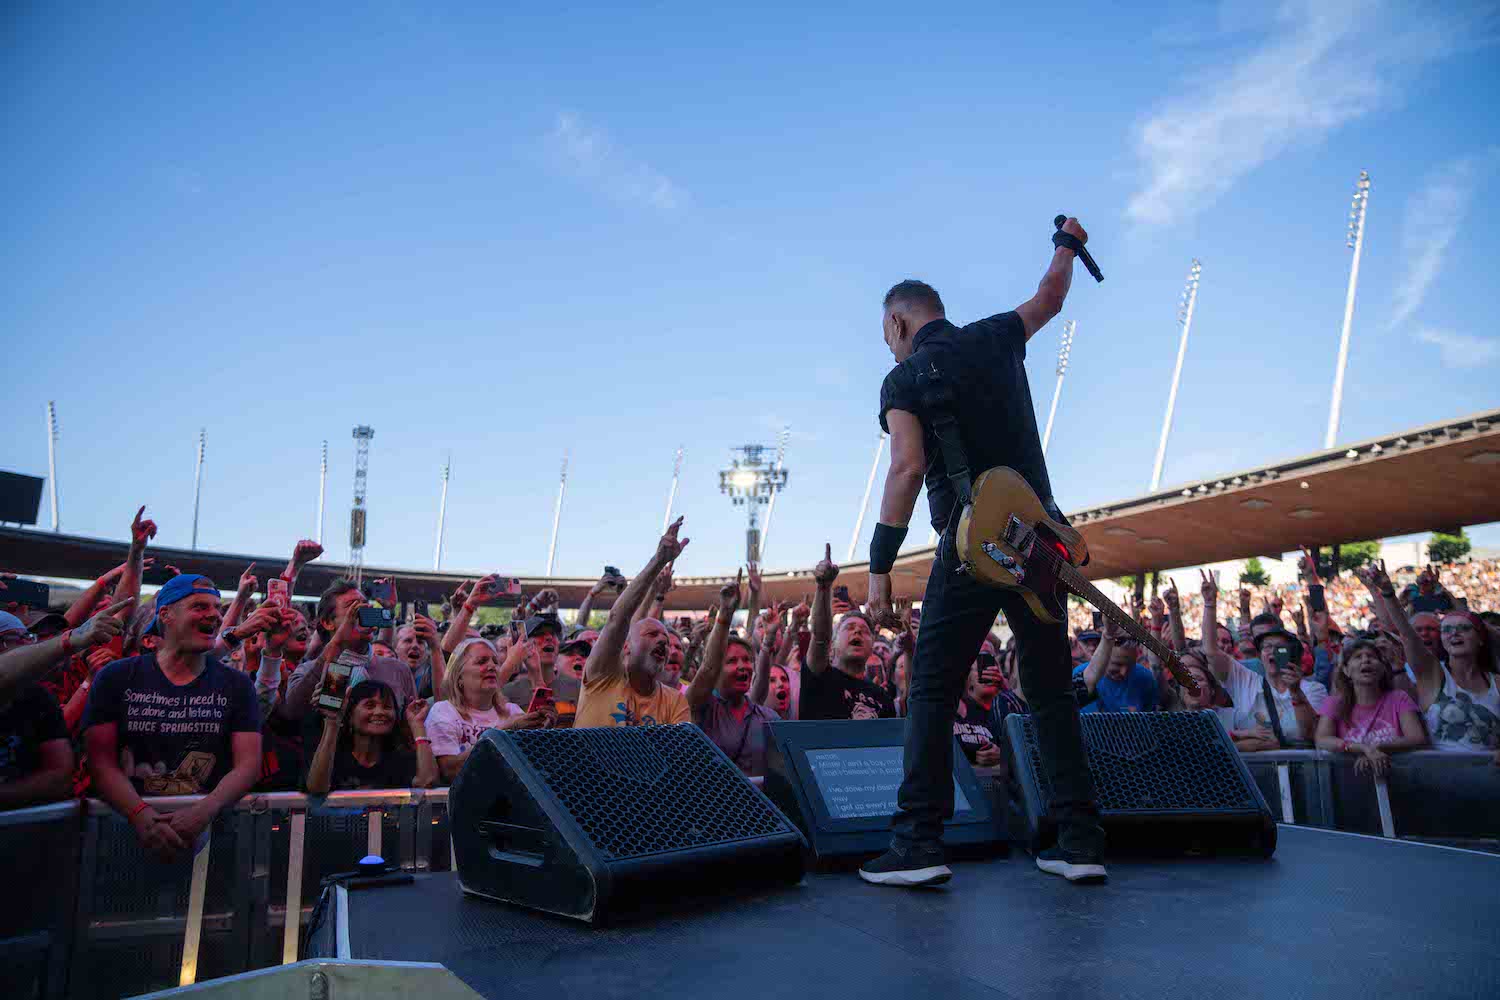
957	612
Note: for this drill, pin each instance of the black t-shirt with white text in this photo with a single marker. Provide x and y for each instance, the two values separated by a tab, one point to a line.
983	365
173	740
31	719
394	769
833	694
973	728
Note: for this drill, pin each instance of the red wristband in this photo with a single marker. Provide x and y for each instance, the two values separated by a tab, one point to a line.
67	643
137	811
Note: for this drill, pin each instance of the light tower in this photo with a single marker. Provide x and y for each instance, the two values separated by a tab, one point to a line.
1355	240
362	437
765	533
52	461
666	518
1063	351
864	505
198	483
562	488
750	482
1185	319
437	555
322	491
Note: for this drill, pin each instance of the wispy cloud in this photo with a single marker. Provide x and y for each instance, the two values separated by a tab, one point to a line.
1461	350
1434	216
1321	65
587	153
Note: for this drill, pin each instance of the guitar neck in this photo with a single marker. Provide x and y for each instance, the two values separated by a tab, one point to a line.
1075	582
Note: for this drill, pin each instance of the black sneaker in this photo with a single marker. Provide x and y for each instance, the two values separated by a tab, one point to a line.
1073	867
907	866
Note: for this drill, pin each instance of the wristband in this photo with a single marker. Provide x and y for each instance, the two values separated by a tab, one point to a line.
67	643
884	546
422	739
136	811
1066	241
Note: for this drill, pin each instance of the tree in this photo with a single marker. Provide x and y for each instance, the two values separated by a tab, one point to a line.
1255	573
1446	548
1353	555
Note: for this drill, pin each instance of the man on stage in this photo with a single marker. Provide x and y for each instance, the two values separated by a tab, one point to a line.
974	376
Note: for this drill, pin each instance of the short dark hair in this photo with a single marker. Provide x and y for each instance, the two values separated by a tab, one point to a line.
1266	618
912	292
738	640
329	597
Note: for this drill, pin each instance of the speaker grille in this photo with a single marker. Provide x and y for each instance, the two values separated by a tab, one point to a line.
1155	762
648	789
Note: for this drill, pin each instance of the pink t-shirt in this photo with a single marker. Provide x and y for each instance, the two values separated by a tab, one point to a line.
1370	724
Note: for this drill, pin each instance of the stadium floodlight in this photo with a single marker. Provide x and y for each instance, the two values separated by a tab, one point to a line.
52	460
363	435
666	519
562	488
1354	240
750	482
1185	319
198	483
1064	351
437	555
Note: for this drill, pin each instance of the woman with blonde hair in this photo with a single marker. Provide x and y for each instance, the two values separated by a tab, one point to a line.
472	702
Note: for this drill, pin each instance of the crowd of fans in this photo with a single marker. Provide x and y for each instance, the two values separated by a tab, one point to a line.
184	693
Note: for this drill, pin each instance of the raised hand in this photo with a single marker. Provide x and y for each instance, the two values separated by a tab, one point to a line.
663	585
800	614
754	574
248	582
141	529
730	595
826	571
425	629
1158	609
545	599
305	552
416	715
105	625
670	547
485	590
1307	566
1174	600
266	618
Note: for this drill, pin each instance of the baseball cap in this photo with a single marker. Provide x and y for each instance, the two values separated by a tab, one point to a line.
577	646
537	623
1089	635
10	623
177	589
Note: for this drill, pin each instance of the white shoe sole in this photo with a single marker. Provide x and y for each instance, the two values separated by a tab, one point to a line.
936	875
1072	872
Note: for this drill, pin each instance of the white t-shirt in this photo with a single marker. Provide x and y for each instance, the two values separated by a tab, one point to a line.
1460	720
1247	690
452	734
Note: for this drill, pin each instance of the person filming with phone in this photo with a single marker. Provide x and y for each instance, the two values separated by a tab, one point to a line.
347	648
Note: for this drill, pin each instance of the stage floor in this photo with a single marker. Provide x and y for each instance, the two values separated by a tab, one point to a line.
1332	915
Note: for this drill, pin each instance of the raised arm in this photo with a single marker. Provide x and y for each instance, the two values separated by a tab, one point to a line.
304	552
24	664
824	573
79	611
1429	672
903	481
586	606
236	611
707	678
752	610
1037	311
1220	664
760	681
1174	616
1095	670
141	532
480	592
661	586
604	660
425	629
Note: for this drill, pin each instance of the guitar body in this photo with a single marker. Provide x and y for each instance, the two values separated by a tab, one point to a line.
996	554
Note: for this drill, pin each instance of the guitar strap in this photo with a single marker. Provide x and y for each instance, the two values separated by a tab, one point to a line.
936	395
1270	699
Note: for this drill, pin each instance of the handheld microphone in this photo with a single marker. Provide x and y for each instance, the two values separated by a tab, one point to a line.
1083	254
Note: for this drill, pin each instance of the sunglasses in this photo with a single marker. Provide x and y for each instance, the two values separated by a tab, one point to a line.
1458	629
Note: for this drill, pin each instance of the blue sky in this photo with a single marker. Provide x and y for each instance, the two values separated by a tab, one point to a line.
506	234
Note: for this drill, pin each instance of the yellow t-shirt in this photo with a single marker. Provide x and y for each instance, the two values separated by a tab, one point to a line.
613	702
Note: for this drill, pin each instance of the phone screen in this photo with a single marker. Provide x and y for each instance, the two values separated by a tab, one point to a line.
842	593
541	700
276	592
335	685
376	617
1283	657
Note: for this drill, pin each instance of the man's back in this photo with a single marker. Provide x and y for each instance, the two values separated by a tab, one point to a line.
983	366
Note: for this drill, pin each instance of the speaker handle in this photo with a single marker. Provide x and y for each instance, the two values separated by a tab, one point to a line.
524	845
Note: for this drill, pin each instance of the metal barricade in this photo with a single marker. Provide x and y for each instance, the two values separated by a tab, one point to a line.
39	846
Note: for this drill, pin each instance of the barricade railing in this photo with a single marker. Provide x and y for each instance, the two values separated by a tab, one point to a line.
102	918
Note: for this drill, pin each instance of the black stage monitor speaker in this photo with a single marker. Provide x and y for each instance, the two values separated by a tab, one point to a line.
839	780
1166	783
600	824
20	497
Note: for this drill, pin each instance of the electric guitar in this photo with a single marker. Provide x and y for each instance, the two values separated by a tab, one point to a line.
1007	539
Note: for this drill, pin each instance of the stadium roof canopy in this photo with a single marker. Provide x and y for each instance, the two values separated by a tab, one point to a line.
1441	476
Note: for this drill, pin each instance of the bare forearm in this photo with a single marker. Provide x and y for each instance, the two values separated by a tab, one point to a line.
130	581
1098	662
236	611
822	629
234	786
427	768
78	612
25	664
585	608
439	667
458	629
707	676
111	785
1174	623
760	681
320	771
899	496
44	786
1052	290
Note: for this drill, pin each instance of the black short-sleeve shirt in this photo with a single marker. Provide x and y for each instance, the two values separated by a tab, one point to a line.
832	694
31	719
984	364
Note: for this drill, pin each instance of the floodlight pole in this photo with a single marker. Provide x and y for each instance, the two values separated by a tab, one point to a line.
437	556
1063	351
1184	317
1356	242
765	532
864	504
52	461
562	488
198	483
322	491
666	518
